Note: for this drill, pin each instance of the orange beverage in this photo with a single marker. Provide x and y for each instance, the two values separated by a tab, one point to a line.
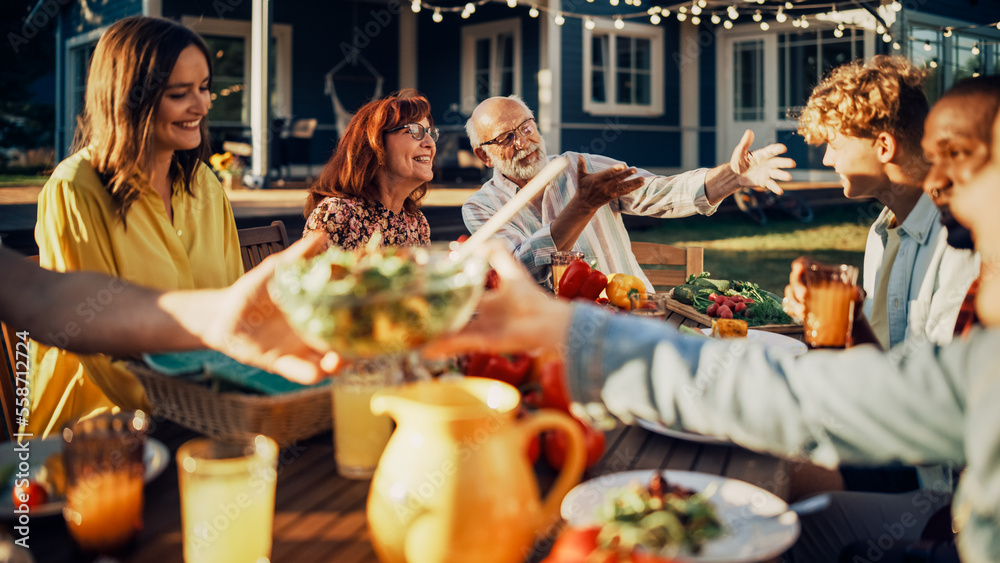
829	305
560	261
104	510
360	436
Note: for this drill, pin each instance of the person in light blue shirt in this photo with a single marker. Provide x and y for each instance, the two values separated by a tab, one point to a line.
919	404
871	117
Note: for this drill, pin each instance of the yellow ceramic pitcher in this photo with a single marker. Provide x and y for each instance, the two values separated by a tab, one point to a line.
454	483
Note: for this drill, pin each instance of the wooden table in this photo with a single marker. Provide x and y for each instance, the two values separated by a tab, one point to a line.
320	516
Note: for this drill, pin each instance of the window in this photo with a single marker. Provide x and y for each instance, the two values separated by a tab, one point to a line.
804	58
623	69
748	80
491	61
968	63
925	49
229	46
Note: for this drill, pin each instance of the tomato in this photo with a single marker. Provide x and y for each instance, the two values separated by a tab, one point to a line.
511	369
29	492
712	309
739	307
577	545
555	447
725	312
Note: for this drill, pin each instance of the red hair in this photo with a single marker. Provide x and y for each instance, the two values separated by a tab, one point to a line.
351	171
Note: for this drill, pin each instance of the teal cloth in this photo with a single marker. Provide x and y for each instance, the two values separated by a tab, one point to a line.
215	366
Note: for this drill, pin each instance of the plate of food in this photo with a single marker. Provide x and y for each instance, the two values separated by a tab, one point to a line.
659	428
47	473
683	516
703	298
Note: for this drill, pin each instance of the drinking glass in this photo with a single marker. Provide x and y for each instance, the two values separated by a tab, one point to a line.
829	305
560	260
358	435
103	457
227	498
648	305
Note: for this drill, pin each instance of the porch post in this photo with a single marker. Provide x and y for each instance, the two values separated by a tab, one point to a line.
407	48
690	99
550	80
260	44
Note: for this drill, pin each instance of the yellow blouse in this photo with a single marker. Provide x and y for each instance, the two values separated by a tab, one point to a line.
78	229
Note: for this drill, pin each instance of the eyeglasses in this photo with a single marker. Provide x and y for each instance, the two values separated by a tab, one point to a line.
417	131
506	139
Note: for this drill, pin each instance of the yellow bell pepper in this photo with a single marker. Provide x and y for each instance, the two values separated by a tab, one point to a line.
619	288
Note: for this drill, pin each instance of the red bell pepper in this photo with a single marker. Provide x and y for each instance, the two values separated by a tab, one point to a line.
574	276
593	286
511	369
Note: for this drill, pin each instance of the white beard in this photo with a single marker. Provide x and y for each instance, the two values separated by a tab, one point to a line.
515	170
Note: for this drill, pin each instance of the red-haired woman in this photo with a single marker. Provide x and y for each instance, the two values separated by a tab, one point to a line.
377	176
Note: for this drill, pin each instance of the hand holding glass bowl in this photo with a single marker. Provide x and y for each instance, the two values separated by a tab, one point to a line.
382	302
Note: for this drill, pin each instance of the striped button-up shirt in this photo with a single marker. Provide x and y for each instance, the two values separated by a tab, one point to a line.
605	238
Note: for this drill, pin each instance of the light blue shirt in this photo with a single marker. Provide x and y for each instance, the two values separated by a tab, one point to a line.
913	405
927	281
604	238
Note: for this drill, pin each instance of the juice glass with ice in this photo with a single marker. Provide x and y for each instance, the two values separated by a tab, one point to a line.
103	457
829	305
359	437
227	498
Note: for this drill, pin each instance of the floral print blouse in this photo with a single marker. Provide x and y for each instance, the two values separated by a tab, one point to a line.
349	223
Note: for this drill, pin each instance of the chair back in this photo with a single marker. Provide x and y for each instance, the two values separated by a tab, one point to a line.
257	243
9	370
666	266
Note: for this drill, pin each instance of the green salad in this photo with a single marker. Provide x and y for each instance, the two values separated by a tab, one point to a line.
380	301
660	518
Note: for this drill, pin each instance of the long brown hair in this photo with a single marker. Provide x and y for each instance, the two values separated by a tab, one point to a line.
128	74
355	163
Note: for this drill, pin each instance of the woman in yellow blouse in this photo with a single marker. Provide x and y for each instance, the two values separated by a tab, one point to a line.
136	201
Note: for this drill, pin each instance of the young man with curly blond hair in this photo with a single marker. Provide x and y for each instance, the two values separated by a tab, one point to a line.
871	117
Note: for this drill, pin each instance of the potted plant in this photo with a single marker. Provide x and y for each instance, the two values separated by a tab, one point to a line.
229	169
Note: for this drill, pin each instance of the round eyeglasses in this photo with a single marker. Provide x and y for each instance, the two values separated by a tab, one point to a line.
505	139
417	131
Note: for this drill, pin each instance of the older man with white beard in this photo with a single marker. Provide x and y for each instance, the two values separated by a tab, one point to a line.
581	209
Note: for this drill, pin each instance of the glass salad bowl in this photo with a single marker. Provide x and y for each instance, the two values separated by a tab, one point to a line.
380	302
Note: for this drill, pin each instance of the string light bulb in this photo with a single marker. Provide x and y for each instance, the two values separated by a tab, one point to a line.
880	29
619	23
682	9
614	2
702	3
437	17
465	15
764	26
933	63
696	20
897	46
975	48
728	24
533	12
788	5
780	17
681	16
716	19
757	17
696	10
559	19
415	6
796	23
927	46
896	6
886	38
805	22
975	75
589	23
513	3
838	33
733	12
947	32
654	19
998	25
471	8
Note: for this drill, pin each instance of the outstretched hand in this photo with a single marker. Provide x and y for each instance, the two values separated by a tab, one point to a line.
762	167
250	328
598	188
514	317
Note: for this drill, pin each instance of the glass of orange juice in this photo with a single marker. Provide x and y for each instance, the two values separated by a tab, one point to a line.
829	305
560	260
358	435
227	498
103	457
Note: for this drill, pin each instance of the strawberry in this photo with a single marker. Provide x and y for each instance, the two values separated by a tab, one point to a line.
739	307
712	309
725	312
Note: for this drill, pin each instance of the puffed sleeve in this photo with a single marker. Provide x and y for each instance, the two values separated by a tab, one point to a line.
72	229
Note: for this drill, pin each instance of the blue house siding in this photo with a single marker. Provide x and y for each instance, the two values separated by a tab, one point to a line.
975	11
645	149
707	92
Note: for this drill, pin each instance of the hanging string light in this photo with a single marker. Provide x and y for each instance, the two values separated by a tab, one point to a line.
896	46
513	3
702	3
728	24
757	17
415	6
975	48
764	26
654	19
696	10
780	17
716	19
589	23
559	19
437	17
682	16
619	23
927	46
947	32
805	22
533	12
696	20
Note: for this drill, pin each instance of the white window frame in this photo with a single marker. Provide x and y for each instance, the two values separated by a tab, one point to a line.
473	33
71	108
643	31
282	34
766	130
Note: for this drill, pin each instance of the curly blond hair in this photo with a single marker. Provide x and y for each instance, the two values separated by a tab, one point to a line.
863	99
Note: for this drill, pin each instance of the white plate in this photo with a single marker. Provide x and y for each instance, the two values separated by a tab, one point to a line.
654	426
156	456
741	507
771	340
